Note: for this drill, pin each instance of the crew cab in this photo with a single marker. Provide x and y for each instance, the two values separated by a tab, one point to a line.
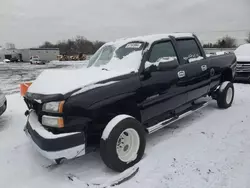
130	88
243	63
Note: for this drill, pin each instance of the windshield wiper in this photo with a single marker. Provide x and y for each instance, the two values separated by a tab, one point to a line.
105	69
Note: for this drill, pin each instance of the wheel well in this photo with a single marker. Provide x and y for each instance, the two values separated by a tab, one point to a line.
130	108
227	75
104	115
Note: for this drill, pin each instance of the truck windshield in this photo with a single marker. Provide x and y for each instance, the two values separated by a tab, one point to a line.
111	57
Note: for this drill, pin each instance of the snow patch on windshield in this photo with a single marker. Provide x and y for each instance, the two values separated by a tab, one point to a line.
130	62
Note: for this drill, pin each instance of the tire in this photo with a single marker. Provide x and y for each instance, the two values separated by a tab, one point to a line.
121	134
59	161
225	95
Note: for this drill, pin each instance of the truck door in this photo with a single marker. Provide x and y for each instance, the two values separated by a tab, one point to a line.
197	78
160	90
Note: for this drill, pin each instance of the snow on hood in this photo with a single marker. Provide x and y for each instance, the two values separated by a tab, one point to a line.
64	81
243	50
243	58
243	53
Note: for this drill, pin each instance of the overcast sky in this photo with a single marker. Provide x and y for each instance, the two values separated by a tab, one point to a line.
28	23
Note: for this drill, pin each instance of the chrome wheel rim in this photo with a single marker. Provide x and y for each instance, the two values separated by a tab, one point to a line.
229	95
128	145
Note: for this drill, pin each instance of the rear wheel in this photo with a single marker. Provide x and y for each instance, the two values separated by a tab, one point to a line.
59	161
122	144
225	95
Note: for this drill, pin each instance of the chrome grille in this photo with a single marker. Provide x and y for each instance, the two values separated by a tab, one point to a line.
243	67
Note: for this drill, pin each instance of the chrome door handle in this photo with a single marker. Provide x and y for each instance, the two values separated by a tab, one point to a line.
203	67
181	74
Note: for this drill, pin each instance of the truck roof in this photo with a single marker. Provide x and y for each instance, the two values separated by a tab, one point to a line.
150	38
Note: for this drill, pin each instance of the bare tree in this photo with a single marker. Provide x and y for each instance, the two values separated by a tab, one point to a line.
226	42
47	44
76	46
248	38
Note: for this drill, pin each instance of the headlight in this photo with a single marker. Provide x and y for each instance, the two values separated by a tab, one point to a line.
56	107
53	121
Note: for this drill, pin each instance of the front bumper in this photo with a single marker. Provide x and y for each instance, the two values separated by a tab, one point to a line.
242	76
54	146
3	104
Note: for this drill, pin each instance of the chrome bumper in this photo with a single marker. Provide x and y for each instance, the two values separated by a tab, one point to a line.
54	146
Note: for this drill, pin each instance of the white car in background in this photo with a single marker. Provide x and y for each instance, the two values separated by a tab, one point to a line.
243	63
6	60
221	52
3	103
36	60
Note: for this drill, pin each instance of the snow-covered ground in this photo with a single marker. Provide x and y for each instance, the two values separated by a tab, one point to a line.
207	149
210	148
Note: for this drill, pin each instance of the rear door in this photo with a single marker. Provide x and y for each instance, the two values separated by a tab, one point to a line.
161	91
196	65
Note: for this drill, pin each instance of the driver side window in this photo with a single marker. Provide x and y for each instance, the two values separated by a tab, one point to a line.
162	50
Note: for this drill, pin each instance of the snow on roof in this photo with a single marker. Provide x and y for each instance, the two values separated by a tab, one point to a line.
150	38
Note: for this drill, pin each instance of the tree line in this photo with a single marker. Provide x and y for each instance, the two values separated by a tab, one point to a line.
81	45
248	38
225	42
75	46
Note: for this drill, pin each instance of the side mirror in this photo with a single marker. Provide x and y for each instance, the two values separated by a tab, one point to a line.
167	64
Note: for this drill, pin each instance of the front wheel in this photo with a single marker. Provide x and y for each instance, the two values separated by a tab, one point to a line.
225	95
123	143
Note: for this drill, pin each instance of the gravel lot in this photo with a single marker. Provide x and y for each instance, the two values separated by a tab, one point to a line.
208	149
12	74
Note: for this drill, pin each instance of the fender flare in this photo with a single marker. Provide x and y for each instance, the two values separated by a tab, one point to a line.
112	123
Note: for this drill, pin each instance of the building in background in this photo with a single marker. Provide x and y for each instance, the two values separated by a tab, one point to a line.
10	46
9	54
45	54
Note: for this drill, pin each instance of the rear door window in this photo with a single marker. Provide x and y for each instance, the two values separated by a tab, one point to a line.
162	50
189	49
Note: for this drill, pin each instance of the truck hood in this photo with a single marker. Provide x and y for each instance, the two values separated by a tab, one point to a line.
51	82
243	58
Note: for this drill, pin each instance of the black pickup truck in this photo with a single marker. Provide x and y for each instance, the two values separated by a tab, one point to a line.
130	88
